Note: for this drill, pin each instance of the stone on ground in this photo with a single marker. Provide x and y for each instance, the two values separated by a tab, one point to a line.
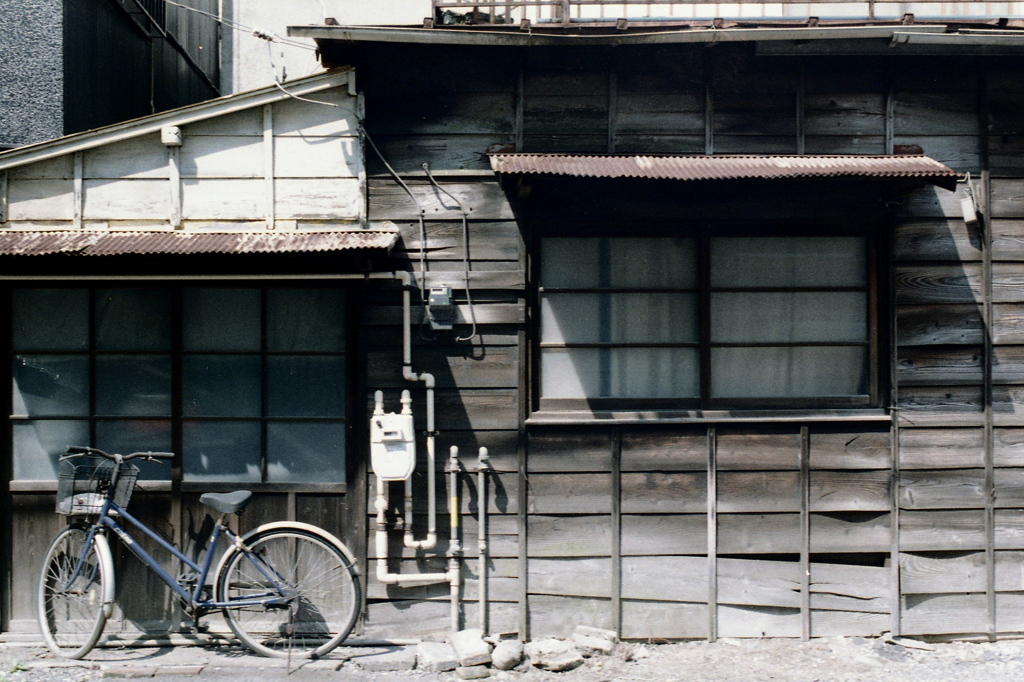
471	647
587	631
390	660
436	657
554	655
473	672
592	646
507	654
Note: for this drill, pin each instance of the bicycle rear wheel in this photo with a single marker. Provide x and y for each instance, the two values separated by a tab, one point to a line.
73	612
326	600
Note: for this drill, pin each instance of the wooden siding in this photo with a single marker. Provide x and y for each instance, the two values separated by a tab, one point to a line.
286	165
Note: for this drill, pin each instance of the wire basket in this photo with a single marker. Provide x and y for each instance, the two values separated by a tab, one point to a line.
83	484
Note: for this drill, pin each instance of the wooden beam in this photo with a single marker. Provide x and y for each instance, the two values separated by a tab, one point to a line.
79	195
268	162
520	108
174	185
3	196
617	529
613	97
712	539
805	533
987	360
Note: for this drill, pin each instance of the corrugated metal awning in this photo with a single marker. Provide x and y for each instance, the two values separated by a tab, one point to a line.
727	167
114	243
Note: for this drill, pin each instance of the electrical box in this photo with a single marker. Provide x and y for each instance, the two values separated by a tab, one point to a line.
392	444
441	308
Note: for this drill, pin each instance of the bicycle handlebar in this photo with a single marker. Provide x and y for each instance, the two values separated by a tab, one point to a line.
80	450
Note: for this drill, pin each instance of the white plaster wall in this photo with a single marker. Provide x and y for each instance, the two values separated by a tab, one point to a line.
247	61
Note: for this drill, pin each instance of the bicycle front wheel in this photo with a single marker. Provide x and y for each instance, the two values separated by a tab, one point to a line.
322	588
74	595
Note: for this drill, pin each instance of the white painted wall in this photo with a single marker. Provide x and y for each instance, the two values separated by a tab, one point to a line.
250	62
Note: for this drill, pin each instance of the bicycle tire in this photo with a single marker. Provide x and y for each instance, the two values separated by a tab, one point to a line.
312	624
72	619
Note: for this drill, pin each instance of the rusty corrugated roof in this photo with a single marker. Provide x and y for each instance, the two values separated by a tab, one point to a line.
108	243
727	167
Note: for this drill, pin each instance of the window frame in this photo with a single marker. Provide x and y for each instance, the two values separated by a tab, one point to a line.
177	418
874	241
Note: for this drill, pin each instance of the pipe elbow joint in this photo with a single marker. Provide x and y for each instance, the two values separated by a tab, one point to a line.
425	377
405	278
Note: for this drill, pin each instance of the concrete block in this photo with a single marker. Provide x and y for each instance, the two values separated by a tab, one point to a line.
473	672
507	654
554	655
190	670
587	631
392	660
436	657
592	646
471	647
130	672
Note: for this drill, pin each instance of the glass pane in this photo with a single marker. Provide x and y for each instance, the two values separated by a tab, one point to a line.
570	263
221	386
133	385
652	263
788	262
125	436
306	320
619	318
221	319
221	451
133	319
50	385
50	319
626	263
305	453
789	372
306	386
789	317
620	373
39	444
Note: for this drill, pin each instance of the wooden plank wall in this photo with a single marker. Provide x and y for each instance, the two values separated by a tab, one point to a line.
803	530
618	523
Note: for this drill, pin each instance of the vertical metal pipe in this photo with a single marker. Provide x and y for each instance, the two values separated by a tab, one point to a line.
482	468
454	549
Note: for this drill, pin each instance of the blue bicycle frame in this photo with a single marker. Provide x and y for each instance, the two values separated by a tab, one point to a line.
280	596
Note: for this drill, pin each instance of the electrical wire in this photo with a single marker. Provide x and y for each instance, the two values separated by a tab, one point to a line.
258	33
420	211
465	250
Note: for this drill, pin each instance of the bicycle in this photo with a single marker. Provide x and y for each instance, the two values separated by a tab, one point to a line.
285	588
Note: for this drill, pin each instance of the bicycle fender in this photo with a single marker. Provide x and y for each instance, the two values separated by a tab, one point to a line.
296	525
107	561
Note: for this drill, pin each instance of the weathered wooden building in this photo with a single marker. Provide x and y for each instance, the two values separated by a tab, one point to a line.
745	362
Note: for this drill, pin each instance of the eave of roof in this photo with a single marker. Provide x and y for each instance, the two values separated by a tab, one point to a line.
727	167
155	242
638	34
221	106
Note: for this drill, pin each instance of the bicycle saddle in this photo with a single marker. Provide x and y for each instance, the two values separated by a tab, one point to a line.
227	503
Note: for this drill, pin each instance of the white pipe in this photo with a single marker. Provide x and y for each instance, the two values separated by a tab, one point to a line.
382	548
483	467
428	381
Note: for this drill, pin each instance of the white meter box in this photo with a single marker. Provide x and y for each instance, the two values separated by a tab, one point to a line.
392	446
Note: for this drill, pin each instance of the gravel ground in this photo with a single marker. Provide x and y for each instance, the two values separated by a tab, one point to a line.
843	659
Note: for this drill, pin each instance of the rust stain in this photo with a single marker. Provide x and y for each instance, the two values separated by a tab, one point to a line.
107	243
726	167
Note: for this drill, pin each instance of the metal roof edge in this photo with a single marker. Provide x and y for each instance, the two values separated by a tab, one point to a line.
508	38
192	113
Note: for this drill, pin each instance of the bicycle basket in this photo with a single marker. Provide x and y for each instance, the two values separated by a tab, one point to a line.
84	481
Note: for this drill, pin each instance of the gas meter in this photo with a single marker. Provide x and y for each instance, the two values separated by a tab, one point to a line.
392	440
